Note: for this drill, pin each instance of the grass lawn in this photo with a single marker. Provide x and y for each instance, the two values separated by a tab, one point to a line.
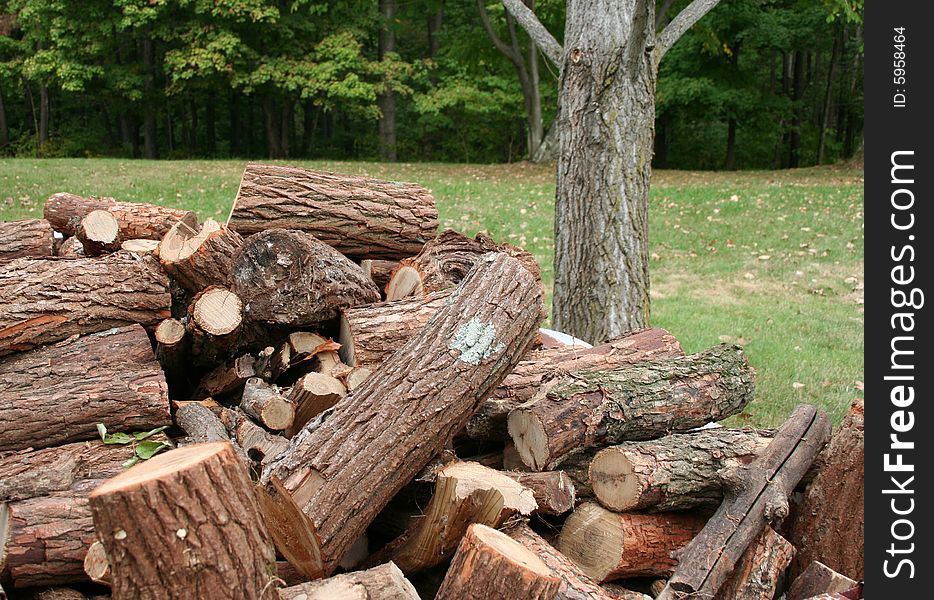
771	260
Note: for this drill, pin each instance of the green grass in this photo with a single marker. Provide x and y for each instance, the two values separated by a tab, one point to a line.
771	260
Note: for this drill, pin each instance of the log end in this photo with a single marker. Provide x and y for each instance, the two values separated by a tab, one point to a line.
218	311
528	435
592	539
183	240
170	332
510	549
614	484
405	281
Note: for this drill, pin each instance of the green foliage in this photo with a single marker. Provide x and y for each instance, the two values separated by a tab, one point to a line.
143	447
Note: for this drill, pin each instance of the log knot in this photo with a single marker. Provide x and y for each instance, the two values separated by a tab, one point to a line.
476	341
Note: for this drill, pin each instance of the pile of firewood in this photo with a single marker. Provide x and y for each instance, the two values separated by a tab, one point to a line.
324	398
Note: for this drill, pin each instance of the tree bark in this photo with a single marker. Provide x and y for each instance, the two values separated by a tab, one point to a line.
26	237
150	150
406	411
730	163
290	277
271	122
4	130
209	128
758	573
264	403
260	445
59	393
198	259
209	542
137	221
797	98
553	490
359	216
43	114
642	401
313	394
379	271
385	582
676	472
226	378
828	96
489	564
236	124
756	495
70	248
387	98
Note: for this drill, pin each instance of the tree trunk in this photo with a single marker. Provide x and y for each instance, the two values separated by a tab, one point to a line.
236	124
149	119
385	582
285	134
198	259
435	20
489	564
26	237
730	163
43	114
4	130
607	98
210	142
406	411
554	491
137	221
272	127
638	402
536	128
548	149
828	97
794	139
310	123
759	572
387	98
209	542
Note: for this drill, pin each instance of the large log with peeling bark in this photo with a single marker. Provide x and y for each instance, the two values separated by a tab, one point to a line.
490	564
199	258
608	545
676	472
636	402
136	220
290	277
758	573
385	582
208	542
26	237
755	495
361	217
444	261
43	301
58	394
361	452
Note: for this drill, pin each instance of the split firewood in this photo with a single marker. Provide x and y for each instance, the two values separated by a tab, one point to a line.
209	403
291	278
305	344
173	350
361	217
71	248
379	271
259	444
227	378
608	545
26	237
490	564
99	233
406	411
136	220
312	395
140	246
676	472
263	402
157	549
828	524
57	394
553	490
640	401
356	377
817	579
271	362
385	582
330	363
214	319
758	573
444	261
199	258
755	495
97	565
43	301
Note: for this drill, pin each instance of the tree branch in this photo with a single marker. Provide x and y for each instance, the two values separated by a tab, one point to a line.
500	44
681	23
662	15
542	38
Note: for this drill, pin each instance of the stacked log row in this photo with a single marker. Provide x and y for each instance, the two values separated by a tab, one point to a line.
27	237
136	221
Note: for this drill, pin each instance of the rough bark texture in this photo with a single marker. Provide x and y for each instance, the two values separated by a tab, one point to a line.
226	378
445	261
489	564
757	575
553	490
173	351
379	271
756	495
137	221
607	545
209	541
817	579
344	466
202	425
26	237
641	401
271	362
259	444
539	366
676	472
70	248
359	216
828	524
59	393
385	582
198	259
289	277
46	300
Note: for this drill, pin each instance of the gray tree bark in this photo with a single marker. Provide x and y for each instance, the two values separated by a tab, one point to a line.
387	99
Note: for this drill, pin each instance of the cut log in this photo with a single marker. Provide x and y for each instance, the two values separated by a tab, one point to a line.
607	545
312	395
385	582
64	212
173	351
198	259
379	271
227	378
539	366
57	394
828	524
356	377
359	216
43	301
60	593
817	579
209	542
489	564
214	319
756	495
676	472
201	425
553	490
97	565
259	444
757	575
140	246
465	493
289	277
363	450
444	262
306	343
272	362
99	233
642	401
26	237
263	402
71	248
